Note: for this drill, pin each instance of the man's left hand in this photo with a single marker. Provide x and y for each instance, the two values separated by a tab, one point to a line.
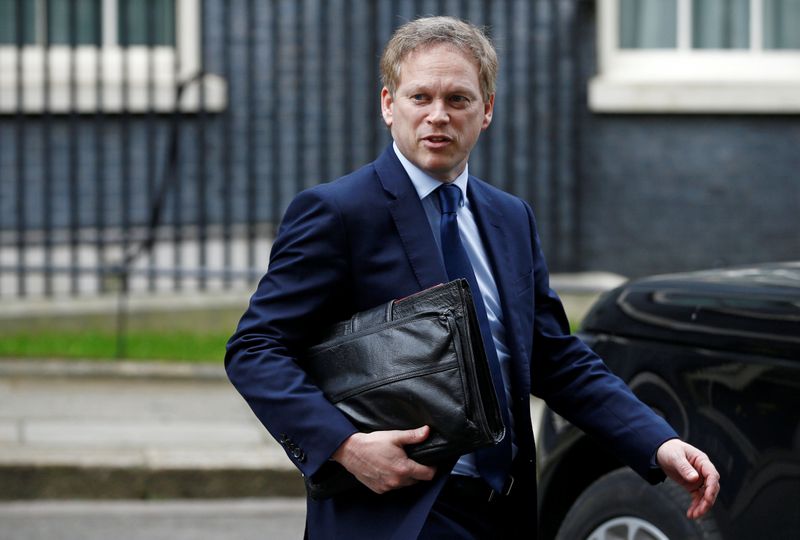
691	469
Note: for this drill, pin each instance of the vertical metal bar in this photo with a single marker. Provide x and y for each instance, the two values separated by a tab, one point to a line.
576	260
542	121
324	75
227	163
111	14
177	201
564	179
250	128
125	136
347	18
485	149
528	142
311	57
21	145
202	180
300	120
303	170
150	134
684	36
384	24
72	196
756	25
499	136
100	159
47	157
554	149
513	52
473	10
276	168
371	102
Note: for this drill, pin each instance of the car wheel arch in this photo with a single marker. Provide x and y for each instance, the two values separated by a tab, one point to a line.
622	504
583	462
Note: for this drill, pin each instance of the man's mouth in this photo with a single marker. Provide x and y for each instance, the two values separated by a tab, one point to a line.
437	140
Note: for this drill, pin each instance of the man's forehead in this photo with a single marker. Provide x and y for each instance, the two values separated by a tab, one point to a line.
438	49
424	60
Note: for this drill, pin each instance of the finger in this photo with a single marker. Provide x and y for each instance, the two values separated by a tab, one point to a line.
409	473
709	489
710	477
704	497
421	472
412	436
698	509
688	473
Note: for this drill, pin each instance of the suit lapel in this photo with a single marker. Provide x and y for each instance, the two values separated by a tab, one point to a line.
489	219
411	221
496	242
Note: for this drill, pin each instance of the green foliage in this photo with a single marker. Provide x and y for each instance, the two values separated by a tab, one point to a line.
175	345
137	345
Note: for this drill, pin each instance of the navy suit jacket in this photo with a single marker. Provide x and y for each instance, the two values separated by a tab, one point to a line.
363	240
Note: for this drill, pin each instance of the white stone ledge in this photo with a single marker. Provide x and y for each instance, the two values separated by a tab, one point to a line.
611	95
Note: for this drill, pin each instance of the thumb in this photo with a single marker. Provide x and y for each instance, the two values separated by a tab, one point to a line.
675	457
687	472
413	436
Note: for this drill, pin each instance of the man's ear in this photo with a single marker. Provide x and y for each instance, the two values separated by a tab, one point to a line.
488	110
386	106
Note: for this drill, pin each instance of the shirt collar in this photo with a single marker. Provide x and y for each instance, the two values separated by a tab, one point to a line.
426	184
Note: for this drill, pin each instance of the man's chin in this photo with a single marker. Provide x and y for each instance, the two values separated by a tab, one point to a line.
439	168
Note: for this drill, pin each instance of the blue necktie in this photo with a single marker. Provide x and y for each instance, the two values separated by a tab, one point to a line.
494	462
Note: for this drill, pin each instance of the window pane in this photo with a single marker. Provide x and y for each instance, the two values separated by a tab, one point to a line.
87	17
721	24
8	21
781	24
648	24
146	22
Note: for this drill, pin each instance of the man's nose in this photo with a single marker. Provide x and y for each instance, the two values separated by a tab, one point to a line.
438	112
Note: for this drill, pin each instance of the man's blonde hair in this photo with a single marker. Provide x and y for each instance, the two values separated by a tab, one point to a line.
429	31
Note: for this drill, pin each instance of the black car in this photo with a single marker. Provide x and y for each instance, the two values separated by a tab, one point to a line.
717	353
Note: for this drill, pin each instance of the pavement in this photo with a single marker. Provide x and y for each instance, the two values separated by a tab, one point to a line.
149	430
273	518
132	430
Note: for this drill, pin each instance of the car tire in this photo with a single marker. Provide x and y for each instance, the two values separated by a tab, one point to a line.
622	505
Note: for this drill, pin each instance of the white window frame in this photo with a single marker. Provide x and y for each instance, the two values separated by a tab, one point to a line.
686	80
128	82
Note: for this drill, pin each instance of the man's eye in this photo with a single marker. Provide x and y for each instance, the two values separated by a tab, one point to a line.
459	100
418	97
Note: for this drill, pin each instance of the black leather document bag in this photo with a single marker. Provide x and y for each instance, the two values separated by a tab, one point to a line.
411	362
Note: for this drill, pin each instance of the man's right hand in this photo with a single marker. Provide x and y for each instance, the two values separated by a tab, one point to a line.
379	461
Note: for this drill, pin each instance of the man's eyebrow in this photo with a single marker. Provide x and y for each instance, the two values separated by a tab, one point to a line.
423	88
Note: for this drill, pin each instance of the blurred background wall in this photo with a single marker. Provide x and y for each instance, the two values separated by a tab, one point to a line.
156	143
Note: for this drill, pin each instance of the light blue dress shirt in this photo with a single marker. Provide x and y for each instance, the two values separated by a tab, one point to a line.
425	185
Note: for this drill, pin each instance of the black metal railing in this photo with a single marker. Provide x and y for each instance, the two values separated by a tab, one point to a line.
134	157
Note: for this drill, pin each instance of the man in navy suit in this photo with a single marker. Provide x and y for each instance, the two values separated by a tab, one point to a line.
387	231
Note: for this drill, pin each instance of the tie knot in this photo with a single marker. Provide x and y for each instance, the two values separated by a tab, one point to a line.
449	198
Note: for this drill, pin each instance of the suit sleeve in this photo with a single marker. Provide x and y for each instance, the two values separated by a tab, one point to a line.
307	275
576	383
